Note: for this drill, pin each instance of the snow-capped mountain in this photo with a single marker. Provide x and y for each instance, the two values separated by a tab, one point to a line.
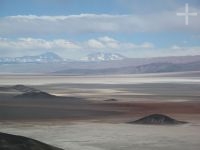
43	58
103	57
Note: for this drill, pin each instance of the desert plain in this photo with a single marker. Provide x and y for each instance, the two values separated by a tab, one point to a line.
93	112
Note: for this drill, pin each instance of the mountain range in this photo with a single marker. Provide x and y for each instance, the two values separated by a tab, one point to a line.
98	63
43	58
96	57
52	57
148	68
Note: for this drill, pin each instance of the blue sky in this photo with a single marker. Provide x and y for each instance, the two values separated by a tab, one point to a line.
75	28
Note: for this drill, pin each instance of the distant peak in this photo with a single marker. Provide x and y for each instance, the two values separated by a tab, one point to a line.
101	56
50	55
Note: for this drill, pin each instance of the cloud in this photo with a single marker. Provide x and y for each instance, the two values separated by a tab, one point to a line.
64	44
31	43
92	43
147	45
176	47
182	51
108	43
32	25
40	25
163	52
106	39
75	49
31	46
22	46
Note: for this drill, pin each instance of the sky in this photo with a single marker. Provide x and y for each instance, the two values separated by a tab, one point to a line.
75	28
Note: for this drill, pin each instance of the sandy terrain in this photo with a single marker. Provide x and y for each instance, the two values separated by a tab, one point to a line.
100	79
104	136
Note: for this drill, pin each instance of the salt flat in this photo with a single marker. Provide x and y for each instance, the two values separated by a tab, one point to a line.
39	79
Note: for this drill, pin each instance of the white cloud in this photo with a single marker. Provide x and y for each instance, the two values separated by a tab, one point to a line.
181	51
176	47
108	43
113	45
61	43
74	49
31	43
22	46
147	45
92	43
163	52
31	46
107	39
98	43
30	25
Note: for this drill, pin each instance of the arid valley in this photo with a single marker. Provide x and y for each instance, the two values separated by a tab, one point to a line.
95	112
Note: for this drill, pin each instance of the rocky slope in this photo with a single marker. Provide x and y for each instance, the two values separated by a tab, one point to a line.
14	142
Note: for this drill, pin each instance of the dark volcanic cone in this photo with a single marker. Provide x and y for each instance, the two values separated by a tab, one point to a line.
157	119
35	94
14	142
